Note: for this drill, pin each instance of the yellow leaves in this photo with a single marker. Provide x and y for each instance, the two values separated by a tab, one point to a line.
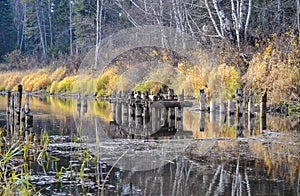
277	68
59	73
66	85
153	53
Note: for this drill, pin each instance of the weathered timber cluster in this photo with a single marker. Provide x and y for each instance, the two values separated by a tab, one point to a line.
18	117
235	109
141	115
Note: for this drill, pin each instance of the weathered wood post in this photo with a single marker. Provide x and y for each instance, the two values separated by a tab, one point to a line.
8	102
172	110
119	108
222	112
12	112
239	102
263	110
146	109
179	120
125	109
154	119
113	106
212	108
250	108
202	121
202	100
138	110
19	104
131	107
230	107
27	109
250	116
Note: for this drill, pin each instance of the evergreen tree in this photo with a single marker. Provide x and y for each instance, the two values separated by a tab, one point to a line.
7	29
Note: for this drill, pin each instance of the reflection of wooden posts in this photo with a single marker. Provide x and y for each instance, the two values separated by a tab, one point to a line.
263	110
28	114
202	100
239	132
202	120
231	120
84	106
154	119
78	105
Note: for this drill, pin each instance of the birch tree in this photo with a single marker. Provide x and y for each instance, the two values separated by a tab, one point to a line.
98	30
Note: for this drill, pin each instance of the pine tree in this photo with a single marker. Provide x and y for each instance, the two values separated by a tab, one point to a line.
7	29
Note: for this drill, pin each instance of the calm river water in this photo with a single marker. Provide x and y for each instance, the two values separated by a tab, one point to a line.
209	156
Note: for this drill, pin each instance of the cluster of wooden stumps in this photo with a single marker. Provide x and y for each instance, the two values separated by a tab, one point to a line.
141	115
234	109
18	117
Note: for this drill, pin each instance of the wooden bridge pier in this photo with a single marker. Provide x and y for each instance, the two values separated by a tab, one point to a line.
149	113
17	116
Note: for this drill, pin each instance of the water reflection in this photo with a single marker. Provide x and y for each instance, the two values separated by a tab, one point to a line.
214	164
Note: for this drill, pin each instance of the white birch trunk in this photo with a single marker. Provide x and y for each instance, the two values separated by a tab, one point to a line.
40	29
70	27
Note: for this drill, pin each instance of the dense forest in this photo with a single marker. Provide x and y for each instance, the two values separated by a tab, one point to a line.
254	37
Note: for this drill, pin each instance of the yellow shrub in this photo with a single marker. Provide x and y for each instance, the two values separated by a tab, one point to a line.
42	82
66	85
277	69
53	87
59	73
230	80
107	81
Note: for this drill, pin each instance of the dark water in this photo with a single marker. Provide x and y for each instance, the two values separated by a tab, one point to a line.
220	156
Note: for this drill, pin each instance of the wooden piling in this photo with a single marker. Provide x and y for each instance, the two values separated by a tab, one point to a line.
263	110
19	98
113	105
250	108
124	109
202	100
202	121
138	109
27	109
230	107
119	108
131	102
239	102
212	106
172	110
179	123
8	102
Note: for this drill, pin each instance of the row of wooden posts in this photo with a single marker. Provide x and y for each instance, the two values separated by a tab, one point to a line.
17	116
142	111
236	107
